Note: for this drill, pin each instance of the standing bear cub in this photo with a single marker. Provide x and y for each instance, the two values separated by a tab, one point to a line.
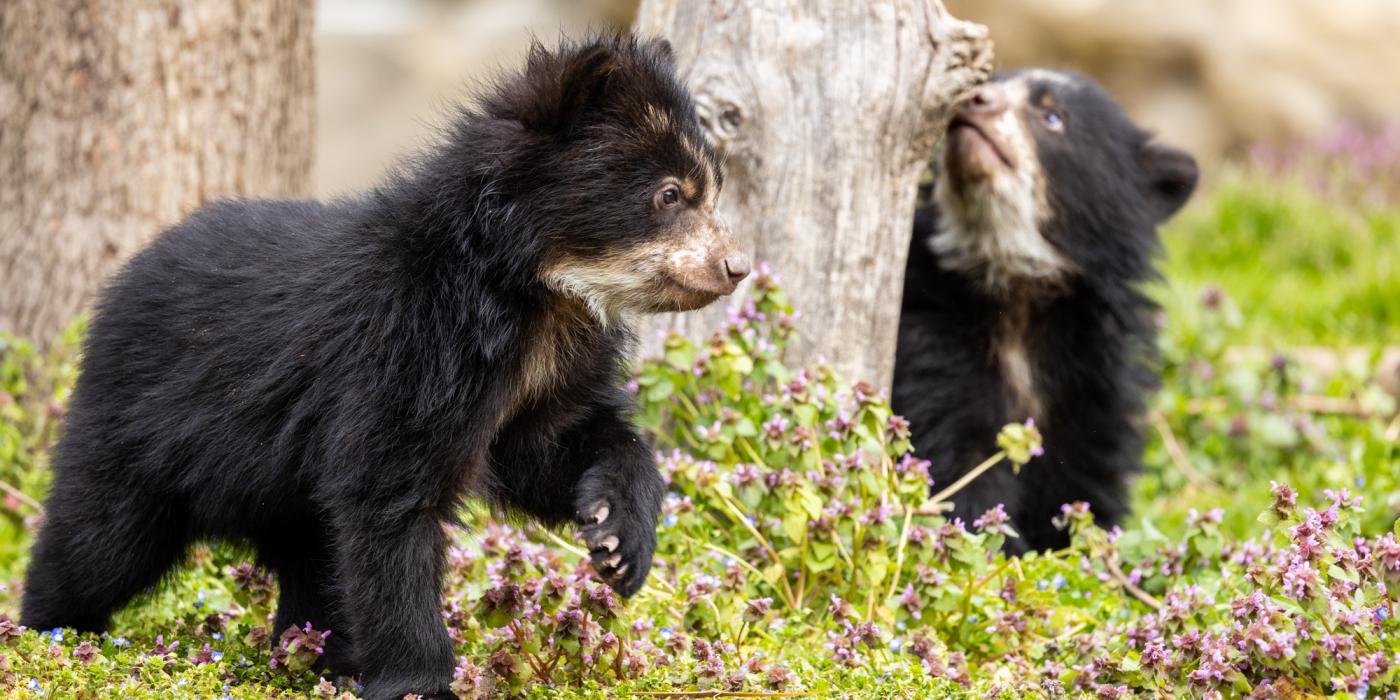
1021	297
328	382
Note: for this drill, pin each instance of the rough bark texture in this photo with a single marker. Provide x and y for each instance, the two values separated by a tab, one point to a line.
827	113
118	118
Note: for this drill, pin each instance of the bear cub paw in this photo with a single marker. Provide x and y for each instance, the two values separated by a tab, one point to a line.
619	528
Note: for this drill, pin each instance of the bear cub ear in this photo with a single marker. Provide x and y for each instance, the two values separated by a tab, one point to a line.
662	50
1170	175
565	87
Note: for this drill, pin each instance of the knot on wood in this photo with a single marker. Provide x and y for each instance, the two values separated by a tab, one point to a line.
720	115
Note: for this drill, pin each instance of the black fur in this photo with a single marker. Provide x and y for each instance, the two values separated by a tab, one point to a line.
328	382
1089	336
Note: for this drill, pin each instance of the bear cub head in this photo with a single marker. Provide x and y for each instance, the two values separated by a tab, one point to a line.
1043	179
610	138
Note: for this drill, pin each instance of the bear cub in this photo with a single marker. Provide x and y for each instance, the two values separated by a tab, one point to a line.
329	382
1021	298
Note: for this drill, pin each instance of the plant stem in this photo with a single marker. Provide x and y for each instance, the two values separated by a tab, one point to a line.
1129	586
1178	454
22	497
899	553
763	542
932	506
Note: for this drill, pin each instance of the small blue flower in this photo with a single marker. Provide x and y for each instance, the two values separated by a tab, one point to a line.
218	636
1360	481
217	656
1382	613
670	520
199	600
665	632
119	641
1058	582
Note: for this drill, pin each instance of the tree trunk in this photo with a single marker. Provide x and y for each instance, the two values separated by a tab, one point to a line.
119	118
826	113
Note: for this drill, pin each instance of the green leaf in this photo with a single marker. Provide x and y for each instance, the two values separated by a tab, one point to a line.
681	358
661	390
795	526
877	566
811	502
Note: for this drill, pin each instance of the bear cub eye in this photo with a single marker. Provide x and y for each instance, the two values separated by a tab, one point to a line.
1054	121
668	196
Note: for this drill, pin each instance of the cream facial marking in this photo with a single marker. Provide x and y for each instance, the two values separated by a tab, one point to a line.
689	188
697	154
677	272
1056	78
698	246
611	286
657	120
991	227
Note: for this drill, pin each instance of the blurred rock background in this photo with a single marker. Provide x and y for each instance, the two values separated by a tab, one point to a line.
388	70
1212	75
1216	75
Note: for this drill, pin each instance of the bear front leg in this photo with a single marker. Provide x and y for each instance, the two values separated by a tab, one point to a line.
598	474
390	566
617	502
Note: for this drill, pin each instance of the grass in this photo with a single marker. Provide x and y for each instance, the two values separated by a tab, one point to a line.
1303	268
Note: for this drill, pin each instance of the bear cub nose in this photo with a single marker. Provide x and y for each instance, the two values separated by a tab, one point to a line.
736	266
986	101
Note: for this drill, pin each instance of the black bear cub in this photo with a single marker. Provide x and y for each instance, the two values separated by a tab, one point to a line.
328	382
1021	297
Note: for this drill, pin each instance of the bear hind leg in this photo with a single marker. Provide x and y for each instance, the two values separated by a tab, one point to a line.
307	595
92	557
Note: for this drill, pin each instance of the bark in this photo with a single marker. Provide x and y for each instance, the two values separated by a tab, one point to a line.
118	118
827	113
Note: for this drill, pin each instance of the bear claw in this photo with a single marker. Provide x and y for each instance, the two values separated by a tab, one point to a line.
619	531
